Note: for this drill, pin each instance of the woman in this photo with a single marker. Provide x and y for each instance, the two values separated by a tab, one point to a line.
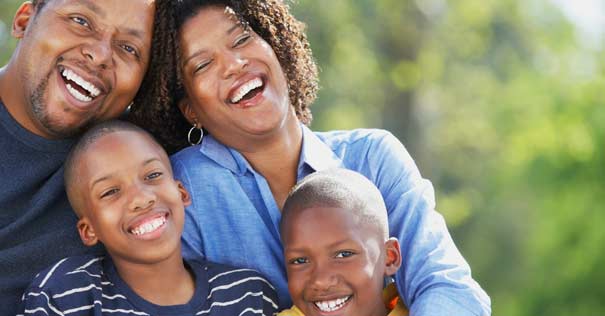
244	72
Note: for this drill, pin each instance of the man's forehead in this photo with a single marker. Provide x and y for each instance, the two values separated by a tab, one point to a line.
107	8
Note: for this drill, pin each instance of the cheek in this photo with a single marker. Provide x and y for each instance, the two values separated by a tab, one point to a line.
129	79
296	283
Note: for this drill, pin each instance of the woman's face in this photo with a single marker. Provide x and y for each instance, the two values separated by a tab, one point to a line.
235	85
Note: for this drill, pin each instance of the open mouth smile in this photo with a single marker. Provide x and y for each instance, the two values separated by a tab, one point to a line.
79	88
247	90
150	227
332	305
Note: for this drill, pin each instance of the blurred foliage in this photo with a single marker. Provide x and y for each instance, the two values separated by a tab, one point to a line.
502	107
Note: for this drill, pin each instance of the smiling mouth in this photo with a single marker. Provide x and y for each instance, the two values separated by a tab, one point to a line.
248	90
149	226
332	305
79	88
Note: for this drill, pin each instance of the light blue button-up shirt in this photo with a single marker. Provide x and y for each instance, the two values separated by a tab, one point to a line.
234	219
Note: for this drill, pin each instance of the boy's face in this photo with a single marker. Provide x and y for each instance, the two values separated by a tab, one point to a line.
335	265
129	200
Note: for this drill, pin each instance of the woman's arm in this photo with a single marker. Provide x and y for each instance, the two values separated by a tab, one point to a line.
434	278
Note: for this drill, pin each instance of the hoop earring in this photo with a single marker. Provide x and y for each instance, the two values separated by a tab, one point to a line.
193	128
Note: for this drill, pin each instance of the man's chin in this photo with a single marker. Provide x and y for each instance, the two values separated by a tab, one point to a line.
63	129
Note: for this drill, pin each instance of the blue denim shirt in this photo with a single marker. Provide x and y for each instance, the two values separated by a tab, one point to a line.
234	219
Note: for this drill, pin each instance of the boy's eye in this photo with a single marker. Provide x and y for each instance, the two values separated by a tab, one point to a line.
344	254
299	260
109	193
153	175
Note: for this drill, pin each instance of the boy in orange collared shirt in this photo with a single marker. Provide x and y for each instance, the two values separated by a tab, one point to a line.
337	251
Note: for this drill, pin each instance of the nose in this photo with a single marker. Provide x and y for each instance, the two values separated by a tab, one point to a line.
323	278
98	52
141	197
234	63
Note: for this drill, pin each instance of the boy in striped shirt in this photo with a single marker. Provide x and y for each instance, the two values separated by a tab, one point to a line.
119	182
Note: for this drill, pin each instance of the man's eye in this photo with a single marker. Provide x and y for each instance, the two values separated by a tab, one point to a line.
153	175
344	254
81	21
129	49
109	193
299	261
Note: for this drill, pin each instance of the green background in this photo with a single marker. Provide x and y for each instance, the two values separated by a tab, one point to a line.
501	104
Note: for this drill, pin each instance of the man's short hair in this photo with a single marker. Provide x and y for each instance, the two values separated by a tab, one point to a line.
339	188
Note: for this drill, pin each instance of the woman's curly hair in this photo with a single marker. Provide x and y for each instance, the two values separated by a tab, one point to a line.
156	104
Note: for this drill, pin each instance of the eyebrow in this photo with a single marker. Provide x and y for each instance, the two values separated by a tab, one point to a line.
330	246
197	53
107	177
98	10
93	7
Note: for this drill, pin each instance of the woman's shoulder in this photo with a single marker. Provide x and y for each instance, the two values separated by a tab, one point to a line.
367	136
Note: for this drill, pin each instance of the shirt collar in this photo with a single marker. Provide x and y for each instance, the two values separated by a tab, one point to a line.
224	156
315	154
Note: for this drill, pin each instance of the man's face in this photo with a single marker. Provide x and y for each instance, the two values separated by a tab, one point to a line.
80	61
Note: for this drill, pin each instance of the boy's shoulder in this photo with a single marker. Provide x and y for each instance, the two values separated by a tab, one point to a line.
220	274
231	284
72	279
85	267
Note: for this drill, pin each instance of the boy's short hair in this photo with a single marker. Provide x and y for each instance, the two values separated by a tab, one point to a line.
339	188
87	139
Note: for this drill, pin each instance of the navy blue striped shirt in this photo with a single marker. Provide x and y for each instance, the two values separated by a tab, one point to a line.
89	285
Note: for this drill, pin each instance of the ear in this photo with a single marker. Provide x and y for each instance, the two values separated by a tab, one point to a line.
184	193
24	15
187	111
87	232
393	256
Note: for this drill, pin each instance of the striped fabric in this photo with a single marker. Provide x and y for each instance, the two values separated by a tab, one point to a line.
90	285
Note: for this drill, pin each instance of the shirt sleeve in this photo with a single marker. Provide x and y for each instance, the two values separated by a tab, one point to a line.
434	278
191	239
37	299
270	301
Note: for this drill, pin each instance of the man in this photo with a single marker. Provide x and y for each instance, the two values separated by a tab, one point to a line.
77	62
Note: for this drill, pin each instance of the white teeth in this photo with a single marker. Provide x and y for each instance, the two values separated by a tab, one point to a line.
330	306
149	226
94	91
245	88
76	94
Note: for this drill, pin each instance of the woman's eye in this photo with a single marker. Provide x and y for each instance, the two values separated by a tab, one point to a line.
241	40
80	21
201	66
344	254
299	261
153	175
109	193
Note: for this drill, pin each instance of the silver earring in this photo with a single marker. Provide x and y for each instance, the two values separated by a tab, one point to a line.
193	128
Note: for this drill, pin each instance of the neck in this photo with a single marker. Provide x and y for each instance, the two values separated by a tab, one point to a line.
13	96
163	283
277	161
